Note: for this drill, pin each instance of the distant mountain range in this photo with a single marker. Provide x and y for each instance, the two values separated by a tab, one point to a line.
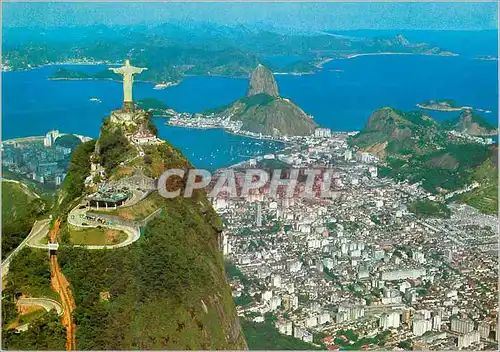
172	52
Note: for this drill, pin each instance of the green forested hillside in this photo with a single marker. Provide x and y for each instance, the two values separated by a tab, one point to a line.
264	111
165	291
264	336
159	287
417	148
485	197
29	275
46	333
20	209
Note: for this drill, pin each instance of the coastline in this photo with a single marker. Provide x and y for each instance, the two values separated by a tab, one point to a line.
108	79
23	139
241	134
352	56
320	65
449	109
452	109
82	79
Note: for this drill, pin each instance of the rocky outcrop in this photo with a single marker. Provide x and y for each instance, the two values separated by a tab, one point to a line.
274	117
262	82
474	125
264	111
391	131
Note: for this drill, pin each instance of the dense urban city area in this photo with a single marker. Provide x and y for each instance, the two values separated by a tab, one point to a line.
42	159
361	269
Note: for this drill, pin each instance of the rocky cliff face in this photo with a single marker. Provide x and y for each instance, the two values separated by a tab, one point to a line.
262	82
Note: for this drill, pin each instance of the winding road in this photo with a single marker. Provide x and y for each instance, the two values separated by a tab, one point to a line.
45	303
35	239
76	216
39	231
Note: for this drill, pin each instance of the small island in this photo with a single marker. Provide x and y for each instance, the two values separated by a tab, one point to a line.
448	105
164	85
63	73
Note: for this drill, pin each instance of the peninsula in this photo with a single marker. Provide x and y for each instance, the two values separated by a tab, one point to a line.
442	105
261	113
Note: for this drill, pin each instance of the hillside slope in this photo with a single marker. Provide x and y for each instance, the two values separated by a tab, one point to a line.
390	131
414	147
167	290
20	209
473	124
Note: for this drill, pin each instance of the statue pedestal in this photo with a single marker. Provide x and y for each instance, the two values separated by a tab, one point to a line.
128	106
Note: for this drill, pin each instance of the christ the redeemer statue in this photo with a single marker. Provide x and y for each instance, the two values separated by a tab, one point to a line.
128	73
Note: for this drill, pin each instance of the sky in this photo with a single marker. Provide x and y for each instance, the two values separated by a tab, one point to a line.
296	16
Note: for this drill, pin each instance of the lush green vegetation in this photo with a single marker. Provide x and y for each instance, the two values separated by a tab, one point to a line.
46	332
173	267
485	197
418	149
441	104
264	336
20	209
64	73
96	236
256	100
482	122
174	270
417	118
406	344
29	274
466	118
449	168
427	207
351	341
68	141
78	170
151	104
162	156
113	146
171	51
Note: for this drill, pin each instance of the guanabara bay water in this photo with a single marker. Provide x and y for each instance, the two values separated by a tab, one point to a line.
249	176
340	96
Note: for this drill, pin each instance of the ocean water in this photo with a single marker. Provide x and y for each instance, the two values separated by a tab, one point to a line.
32	105
344	94
341	96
